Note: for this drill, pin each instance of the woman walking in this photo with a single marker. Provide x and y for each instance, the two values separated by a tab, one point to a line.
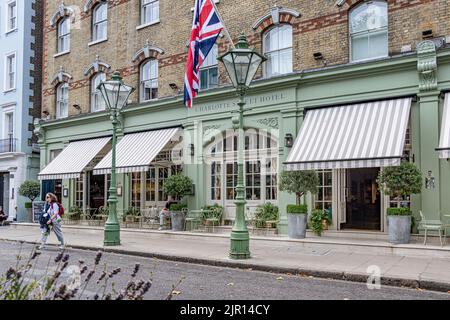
52	214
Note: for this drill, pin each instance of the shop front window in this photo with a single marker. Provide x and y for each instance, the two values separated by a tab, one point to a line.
136	189
216	180
253	180
150	185
271	179
163	175
79	188
324	198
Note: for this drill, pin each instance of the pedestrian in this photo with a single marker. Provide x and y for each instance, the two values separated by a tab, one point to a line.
53	219
164	214
3	217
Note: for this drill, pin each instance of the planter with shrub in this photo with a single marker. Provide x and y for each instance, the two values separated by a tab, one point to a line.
30	189
399	182
319	221
178	186
298	182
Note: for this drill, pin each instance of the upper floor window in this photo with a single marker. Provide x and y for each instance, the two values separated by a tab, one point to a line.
64	35
369	30
277	44
9	125
208	70
149	80
62	100
149	11
11	22
100	22
10	72
97	101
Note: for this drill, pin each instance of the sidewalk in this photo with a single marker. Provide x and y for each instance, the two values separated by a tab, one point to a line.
412	265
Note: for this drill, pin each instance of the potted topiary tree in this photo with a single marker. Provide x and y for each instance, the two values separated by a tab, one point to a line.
398	182
178	186
30	189
298	182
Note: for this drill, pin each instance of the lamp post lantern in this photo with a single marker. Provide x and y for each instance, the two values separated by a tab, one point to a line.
116	94
241	64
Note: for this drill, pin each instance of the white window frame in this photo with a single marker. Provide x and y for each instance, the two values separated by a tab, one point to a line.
8	110
208	65
144	80
9	18
95	23
99	103
60	100
8	73
65	35
148	6
278	50
368	32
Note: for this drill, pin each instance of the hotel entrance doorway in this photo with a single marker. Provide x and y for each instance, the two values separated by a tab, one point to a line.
362	200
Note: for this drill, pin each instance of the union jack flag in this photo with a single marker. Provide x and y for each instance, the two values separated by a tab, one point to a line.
206	27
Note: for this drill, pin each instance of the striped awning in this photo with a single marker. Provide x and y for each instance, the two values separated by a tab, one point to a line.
444	141
135	151
353	136
71	162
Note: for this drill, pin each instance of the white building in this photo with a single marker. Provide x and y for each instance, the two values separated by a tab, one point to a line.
20	54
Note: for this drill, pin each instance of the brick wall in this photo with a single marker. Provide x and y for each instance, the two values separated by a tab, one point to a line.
322	27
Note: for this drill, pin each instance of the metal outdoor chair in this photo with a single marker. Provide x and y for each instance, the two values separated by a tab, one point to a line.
194	220
212	217
432	225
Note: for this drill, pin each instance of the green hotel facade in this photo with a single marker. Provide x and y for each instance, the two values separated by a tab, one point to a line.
200	142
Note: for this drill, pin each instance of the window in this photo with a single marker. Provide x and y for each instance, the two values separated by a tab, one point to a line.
253	180
62	100
100	22
216	180
232	175
79	188
64	35
97	101
163	174
149	80
277	43
11	22
10	72
54	153
324	198
150	187
271	179
9	125
369	31
208	70
136	190
149	11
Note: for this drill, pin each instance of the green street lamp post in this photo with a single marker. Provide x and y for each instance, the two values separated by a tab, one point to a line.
241	64
116	94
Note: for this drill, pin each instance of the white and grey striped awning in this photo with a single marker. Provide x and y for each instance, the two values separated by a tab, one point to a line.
73	159
353	136
136	150
444	141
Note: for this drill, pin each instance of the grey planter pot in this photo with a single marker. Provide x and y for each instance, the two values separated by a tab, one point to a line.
399	229
178	219
297	225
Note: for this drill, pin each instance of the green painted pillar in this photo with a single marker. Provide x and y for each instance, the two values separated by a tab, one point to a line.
429	160
289	125
191	166
429	127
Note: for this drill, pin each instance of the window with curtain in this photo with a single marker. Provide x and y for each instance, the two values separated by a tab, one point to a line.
62	100
64	35
100	22
97	101
149	11
209	70
149	80
277	46
369	30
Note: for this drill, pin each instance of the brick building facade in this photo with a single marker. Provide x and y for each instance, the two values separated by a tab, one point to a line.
317	26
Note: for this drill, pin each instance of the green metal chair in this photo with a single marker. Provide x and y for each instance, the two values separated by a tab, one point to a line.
194	220
432	225
213	217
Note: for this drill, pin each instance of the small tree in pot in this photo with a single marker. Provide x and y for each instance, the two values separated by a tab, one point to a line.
30	189
398	182
178	186
298	182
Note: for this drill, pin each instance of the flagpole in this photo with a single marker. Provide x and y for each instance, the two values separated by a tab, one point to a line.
224	27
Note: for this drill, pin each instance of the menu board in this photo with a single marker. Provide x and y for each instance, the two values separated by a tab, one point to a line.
38	208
